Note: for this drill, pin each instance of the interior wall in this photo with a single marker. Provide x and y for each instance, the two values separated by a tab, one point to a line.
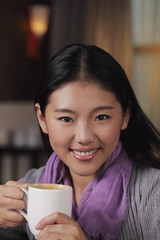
99	22
18	124
146	58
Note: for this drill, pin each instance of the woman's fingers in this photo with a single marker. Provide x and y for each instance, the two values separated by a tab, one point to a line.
13	190
10	203
16	184
52	232
11	198
11	219
61	232
59	226
54	218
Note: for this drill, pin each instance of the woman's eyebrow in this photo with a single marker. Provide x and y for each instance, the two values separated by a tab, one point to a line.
64	110
103	108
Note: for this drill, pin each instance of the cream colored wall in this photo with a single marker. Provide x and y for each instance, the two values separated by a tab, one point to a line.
146	57
18	124
18	128
15	114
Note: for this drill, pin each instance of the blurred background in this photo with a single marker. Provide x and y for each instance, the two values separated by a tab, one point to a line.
33	31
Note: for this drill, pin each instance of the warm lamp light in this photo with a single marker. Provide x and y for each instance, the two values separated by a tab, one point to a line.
38	19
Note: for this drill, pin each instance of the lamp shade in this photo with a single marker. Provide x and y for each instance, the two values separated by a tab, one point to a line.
38	19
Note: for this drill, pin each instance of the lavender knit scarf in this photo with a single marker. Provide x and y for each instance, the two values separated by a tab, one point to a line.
102	207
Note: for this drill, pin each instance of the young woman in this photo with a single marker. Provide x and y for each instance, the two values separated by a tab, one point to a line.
101	143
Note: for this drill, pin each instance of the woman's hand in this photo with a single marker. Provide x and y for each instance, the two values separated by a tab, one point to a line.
11	198
59	226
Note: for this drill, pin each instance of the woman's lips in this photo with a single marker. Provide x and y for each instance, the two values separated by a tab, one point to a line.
84	155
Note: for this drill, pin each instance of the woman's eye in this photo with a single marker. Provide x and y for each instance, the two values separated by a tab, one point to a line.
102	117
66	119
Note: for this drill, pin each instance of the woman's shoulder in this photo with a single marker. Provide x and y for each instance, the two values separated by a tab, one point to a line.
144	175
144	195
143	204
144	181
33	175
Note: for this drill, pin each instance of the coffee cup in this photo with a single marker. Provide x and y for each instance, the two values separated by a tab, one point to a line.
44	199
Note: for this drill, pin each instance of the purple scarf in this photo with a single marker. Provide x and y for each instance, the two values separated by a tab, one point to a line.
102	207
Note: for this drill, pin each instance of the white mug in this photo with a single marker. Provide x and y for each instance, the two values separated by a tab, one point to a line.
44	199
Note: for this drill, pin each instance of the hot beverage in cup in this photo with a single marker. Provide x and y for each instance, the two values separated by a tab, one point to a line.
50	186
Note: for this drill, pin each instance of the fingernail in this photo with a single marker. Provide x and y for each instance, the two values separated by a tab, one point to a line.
26	185
38	226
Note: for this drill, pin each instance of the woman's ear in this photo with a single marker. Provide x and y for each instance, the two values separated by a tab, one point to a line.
126	118
41	118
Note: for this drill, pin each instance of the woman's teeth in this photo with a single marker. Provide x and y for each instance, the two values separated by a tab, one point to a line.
84	153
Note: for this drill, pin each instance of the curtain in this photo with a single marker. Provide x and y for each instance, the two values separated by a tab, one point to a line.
105	23
146	61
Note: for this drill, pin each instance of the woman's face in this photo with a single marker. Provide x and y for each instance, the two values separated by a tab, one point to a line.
83	123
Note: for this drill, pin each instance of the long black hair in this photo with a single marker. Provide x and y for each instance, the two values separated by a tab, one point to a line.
79	62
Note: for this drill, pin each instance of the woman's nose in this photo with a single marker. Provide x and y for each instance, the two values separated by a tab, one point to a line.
84	134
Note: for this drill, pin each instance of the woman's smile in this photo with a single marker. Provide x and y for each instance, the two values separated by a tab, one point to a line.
84	155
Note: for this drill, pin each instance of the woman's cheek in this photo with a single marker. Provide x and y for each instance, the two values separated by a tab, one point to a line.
59	137
110	134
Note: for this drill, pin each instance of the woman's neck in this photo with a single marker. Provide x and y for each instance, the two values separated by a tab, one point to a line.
79	184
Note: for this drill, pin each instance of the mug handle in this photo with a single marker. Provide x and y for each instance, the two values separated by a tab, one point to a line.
22	211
